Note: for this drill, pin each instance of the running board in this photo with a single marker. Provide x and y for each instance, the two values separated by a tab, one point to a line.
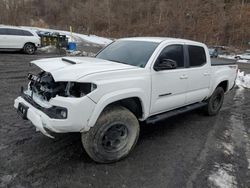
160	117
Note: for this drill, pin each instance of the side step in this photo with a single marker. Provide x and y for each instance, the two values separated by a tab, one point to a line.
165	115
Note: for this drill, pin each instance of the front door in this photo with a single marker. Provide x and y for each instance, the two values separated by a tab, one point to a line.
169	86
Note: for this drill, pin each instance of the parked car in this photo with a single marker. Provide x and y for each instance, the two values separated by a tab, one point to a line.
129	81
245	56
43	33
16	38
47	33
213	52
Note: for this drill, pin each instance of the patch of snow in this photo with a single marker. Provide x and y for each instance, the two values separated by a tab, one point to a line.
48	49
80	53
243	80
243	61
228	148
223	177
74	53
227	56
94	39
232	57
91	54
226	134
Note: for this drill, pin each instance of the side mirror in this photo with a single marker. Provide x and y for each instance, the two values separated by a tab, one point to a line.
165	64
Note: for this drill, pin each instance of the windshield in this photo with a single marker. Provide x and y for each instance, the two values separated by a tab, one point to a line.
136	53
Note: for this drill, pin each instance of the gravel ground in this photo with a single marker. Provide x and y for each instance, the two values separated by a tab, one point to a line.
190	150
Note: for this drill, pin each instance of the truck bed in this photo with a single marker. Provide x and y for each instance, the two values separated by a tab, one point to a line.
219	61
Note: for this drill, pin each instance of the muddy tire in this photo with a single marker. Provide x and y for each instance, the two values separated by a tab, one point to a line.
113	136
215	102
29	48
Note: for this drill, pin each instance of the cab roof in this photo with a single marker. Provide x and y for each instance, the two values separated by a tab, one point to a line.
162	39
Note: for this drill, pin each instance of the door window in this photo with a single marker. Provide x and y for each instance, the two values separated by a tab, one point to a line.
15	32
173	52
197	56
3	31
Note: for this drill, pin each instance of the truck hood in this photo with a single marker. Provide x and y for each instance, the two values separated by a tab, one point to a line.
74	68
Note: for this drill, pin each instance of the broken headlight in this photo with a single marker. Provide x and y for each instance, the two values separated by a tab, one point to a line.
76	89
44	85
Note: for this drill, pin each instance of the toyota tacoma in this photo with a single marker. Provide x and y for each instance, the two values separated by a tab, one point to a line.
132	80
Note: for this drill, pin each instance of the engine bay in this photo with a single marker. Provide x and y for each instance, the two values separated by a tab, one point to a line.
45	86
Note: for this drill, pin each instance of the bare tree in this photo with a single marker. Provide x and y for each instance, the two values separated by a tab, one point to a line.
212	21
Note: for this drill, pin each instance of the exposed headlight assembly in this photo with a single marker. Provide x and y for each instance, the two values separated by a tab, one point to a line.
76	89
44	85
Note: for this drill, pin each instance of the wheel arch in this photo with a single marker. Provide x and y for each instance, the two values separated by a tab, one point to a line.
224	85
223	82
133	102
29	43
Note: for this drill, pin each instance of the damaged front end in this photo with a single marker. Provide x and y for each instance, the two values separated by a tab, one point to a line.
53	104
42	88
44	85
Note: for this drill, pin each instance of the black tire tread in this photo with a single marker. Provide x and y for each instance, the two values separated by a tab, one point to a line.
208	109
109	114
24	48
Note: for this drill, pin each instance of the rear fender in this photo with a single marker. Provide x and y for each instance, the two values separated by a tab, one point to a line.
217	82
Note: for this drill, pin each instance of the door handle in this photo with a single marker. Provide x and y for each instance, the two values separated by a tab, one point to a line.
206	74
183	77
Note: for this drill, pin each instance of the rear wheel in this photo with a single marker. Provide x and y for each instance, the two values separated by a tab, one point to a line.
113	136
29	48
215	102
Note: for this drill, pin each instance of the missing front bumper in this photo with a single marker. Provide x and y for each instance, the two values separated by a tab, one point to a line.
32	114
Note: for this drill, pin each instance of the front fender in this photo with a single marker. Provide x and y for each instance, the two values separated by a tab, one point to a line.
116	96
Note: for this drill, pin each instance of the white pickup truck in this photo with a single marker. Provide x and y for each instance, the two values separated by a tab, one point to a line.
130	81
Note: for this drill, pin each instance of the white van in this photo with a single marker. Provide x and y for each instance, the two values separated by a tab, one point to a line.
17	38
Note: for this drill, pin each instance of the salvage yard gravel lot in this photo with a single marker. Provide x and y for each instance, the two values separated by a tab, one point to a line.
190	150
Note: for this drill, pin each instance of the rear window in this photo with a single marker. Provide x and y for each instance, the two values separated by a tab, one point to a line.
26	33
3	31
197	56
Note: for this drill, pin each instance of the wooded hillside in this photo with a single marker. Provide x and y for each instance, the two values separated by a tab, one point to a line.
218	22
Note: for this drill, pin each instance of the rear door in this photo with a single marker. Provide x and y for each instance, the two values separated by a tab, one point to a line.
198	72
4	38
169	86
16	39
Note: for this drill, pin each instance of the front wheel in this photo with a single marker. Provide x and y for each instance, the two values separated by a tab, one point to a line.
215	102
29	48
113	136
